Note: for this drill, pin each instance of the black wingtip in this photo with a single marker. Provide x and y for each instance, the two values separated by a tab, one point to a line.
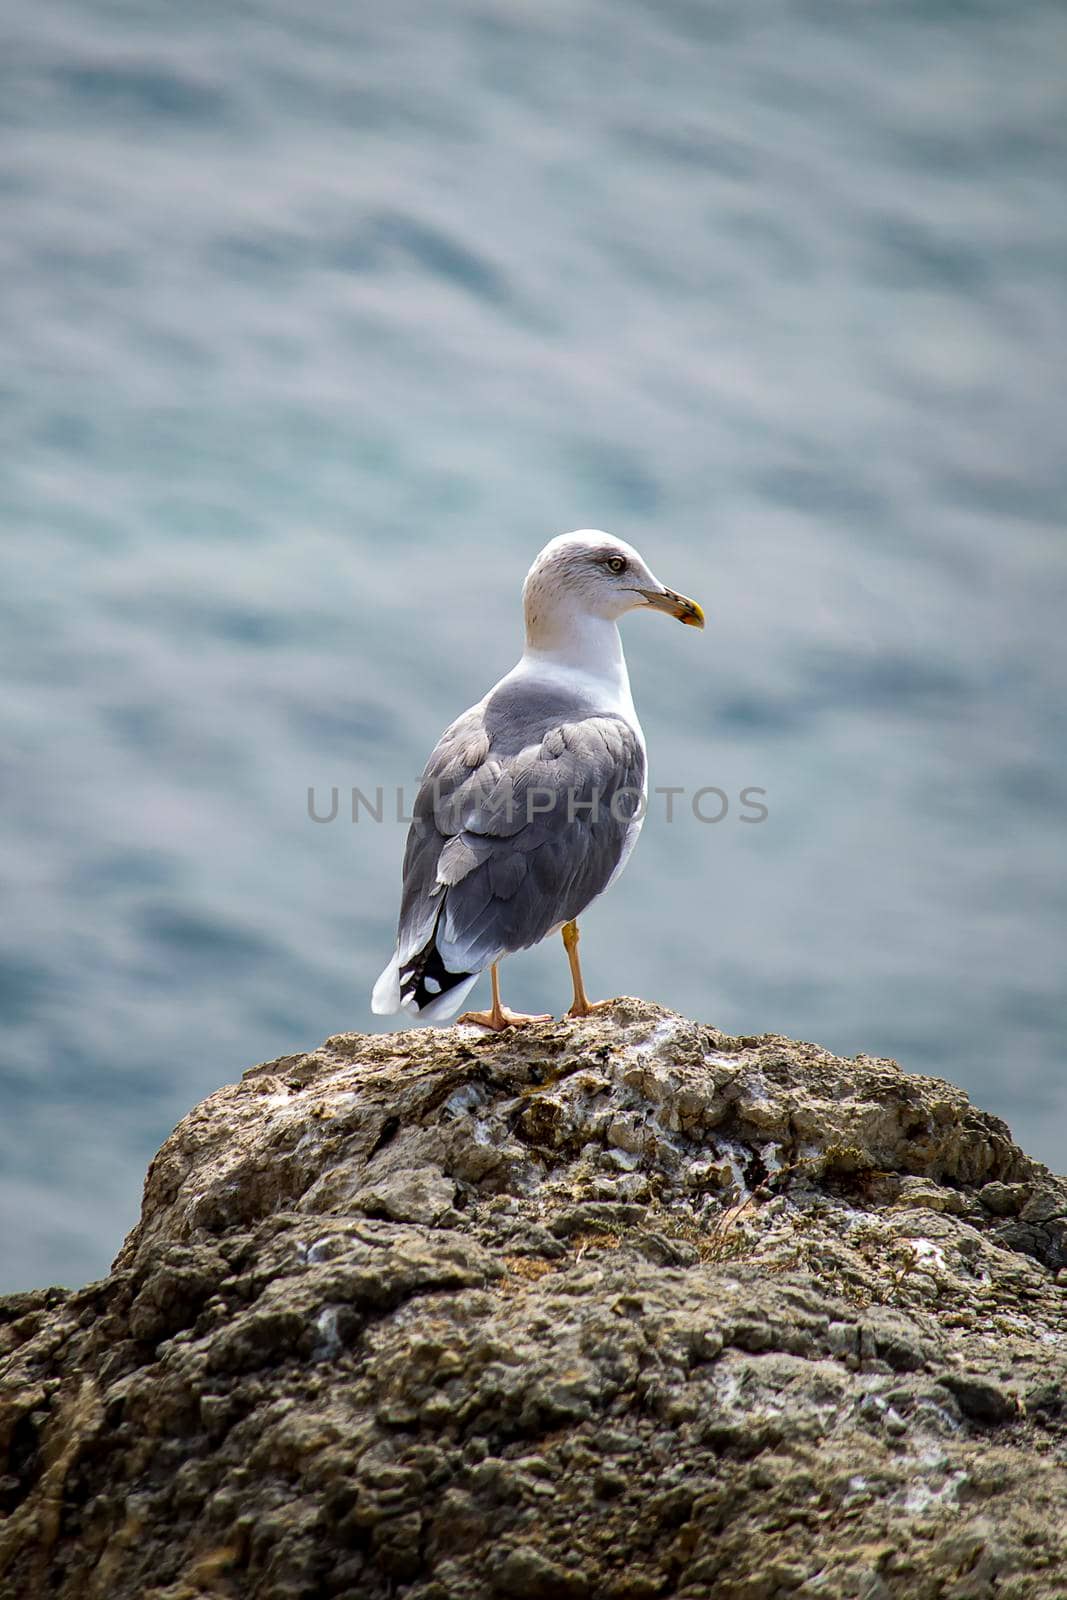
425	978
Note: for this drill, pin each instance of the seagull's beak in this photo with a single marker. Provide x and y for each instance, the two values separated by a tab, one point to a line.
675	605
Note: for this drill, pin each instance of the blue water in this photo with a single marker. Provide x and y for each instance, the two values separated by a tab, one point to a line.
318	320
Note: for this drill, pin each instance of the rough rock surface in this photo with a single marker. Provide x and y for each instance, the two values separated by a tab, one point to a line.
622	1308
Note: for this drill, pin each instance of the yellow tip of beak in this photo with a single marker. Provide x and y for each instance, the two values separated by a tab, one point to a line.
675	605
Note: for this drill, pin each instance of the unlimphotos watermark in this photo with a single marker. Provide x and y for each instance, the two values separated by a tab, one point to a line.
451	807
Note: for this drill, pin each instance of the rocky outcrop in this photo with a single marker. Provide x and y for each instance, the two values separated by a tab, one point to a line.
622	1308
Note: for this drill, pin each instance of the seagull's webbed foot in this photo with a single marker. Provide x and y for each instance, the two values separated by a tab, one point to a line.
585	1008
502	1018
499	1016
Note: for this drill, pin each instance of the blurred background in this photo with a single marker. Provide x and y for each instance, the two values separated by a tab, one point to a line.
318	320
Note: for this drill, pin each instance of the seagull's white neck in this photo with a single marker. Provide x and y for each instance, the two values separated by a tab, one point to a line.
572	643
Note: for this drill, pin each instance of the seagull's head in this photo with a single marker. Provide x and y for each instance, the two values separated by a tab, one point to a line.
594	574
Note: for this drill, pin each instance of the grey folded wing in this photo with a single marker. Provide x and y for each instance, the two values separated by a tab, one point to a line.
526	809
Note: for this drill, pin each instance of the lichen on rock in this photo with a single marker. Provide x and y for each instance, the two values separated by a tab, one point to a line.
617	1308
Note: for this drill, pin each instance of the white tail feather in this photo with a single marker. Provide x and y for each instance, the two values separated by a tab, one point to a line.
385	996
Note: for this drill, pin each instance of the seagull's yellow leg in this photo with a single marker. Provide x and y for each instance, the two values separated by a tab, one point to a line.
498	1016
582	1005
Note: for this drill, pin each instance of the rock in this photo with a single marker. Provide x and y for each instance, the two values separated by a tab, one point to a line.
422	1195
623	1308
525	1573
979	1397
1003	1199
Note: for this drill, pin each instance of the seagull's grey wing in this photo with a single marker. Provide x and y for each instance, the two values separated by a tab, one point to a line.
546	842
526	809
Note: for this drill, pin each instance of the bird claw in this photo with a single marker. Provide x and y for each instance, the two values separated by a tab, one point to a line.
504	1018
589	1007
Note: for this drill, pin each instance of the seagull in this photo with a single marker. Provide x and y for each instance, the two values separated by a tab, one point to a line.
532	801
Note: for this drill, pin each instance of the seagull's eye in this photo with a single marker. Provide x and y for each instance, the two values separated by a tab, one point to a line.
617	565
